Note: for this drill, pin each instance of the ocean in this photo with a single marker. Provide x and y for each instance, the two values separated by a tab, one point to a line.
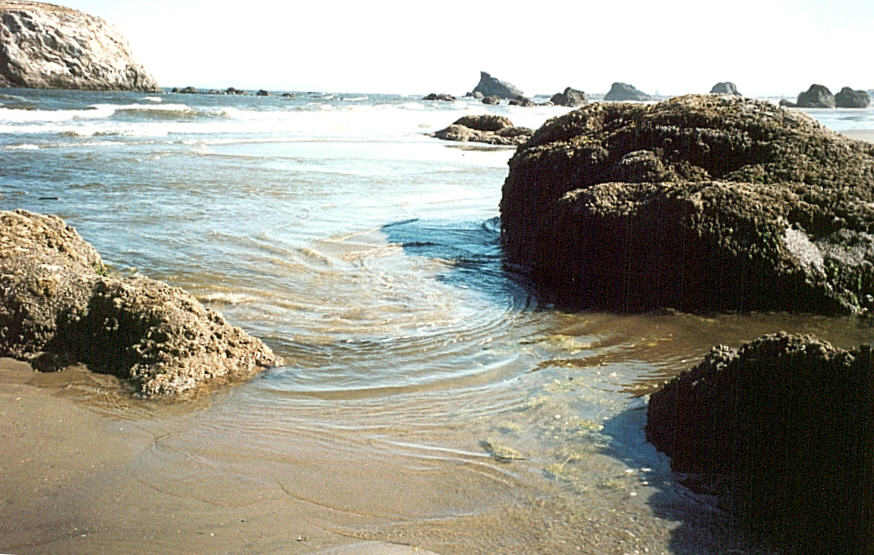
429	398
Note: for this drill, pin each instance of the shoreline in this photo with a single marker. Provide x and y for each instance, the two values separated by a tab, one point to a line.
859	134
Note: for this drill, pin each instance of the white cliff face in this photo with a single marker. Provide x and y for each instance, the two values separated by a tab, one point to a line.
47	46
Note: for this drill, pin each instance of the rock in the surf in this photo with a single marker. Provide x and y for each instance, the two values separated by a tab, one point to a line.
491	86
700	203
59	306
491	129
782	427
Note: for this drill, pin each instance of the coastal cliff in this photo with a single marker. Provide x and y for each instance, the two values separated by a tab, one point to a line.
45	46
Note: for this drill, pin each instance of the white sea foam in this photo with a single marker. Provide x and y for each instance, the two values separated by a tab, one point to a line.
21	147
152	99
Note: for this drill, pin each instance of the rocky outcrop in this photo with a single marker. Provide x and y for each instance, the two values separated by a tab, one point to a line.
490	86
848	98
440	97
491	100
45	46
724	87
522	101
701	203
817	96
570	97
495	130
624	91
59	306
783	426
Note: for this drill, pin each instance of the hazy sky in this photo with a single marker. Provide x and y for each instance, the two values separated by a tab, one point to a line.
669	47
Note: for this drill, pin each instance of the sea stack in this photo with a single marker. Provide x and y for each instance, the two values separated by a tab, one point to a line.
45	46
490	86
624	92
699	203
817	96
724	87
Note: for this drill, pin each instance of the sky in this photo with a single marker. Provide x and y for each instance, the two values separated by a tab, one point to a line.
766	47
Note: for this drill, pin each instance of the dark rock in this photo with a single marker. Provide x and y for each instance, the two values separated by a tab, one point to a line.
780	426
724	87
787	103
440	97
817	96
289	95
58	306
491	129
186	90
232	90
262	92
848	98
624	91
699	203
489	86
52	47
570	97
491	100
521	101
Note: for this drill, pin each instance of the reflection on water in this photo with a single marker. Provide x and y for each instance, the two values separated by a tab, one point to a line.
429	399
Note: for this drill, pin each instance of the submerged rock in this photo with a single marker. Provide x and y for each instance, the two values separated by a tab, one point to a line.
779	425
817	96
848	98
724	87
570	97
495	130
60	307
699	203
624	91
490	86
52	47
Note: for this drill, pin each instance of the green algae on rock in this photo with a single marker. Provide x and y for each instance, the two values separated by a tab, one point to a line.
60	307
699	203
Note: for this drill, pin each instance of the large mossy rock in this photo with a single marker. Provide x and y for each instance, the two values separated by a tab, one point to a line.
58	306
700	203
782	426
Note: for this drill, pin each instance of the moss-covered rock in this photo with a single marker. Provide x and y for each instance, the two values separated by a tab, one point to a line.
58	306
700	203
782	427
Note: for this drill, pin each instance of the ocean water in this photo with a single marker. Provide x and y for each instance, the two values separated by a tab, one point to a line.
429	399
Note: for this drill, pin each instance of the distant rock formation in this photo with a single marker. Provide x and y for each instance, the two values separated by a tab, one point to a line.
624	91
780	425
262	92
491	129
491	100
490	86
570	97
817	96
51	47
700	203
440	97
724	87
848	98
59	306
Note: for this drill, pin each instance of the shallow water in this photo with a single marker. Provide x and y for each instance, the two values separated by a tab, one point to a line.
429	399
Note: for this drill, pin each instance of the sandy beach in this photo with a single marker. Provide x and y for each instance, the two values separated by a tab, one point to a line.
860	134
72	441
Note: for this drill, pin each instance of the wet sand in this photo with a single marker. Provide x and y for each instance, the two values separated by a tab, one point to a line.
860	134
73	481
